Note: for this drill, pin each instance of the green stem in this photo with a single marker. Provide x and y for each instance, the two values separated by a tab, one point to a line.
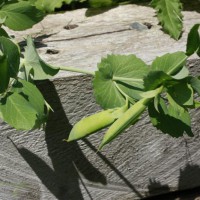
116	78
72	69
124	94
173	70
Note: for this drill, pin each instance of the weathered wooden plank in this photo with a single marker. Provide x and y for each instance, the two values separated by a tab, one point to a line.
141	162
110	32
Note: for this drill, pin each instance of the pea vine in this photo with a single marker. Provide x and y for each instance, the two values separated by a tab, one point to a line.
124	86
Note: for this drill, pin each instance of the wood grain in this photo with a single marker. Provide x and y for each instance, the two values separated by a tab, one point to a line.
38	165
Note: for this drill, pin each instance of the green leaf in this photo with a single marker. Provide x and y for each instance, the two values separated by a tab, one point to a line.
32	94
101	4
169	15
24	107
4	74
180	113
11	51
193	40
18	112
164	66
155	79
195	83
119	76
169	63
182	94
41	70
2	20
183	73
4	33
50	6
20	16
171	120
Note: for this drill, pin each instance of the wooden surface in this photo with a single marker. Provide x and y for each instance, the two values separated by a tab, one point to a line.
38	165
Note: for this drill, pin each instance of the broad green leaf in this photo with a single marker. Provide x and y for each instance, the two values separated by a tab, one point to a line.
195	83
119	76
18	112
155	79
171	120
182	93
183	73
27	94
41	70
50	6
11	51
34	97
4	73
193	40
169	63
169	15
20	16
180	113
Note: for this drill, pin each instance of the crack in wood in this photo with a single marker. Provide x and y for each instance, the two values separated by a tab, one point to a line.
87	36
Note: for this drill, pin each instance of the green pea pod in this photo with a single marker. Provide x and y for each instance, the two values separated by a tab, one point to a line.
95	122
128	118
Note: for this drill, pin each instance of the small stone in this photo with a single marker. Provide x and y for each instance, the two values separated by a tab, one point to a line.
138	26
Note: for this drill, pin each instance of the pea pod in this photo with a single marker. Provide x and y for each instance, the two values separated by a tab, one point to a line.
95	122
126	119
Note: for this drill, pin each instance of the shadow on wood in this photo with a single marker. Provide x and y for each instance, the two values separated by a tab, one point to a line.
189	176
69	162
67	158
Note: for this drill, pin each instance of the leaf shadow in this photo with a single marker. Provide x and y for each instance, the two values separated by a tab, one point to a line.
125	180
192	5
38	41
115	3
68	160
189	176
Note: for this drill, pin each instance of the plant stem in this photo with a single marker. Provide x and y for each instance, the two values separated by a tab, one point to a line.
116	78
173	70
124	94
72	69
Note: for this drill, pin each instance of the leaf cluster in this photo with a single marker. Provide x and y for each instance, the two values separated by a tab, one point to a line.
18	15
124	83
21	103
124	86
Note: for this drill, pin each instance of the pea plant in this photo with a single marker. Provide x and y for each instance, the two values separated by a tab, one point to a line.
124	86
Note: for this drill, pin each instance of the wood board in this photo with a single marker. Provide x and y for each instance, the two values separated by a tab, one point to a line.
141	162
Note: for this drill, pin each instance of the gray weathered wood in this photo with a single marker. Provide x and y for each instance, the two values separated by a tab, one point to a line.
108	33
141	162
